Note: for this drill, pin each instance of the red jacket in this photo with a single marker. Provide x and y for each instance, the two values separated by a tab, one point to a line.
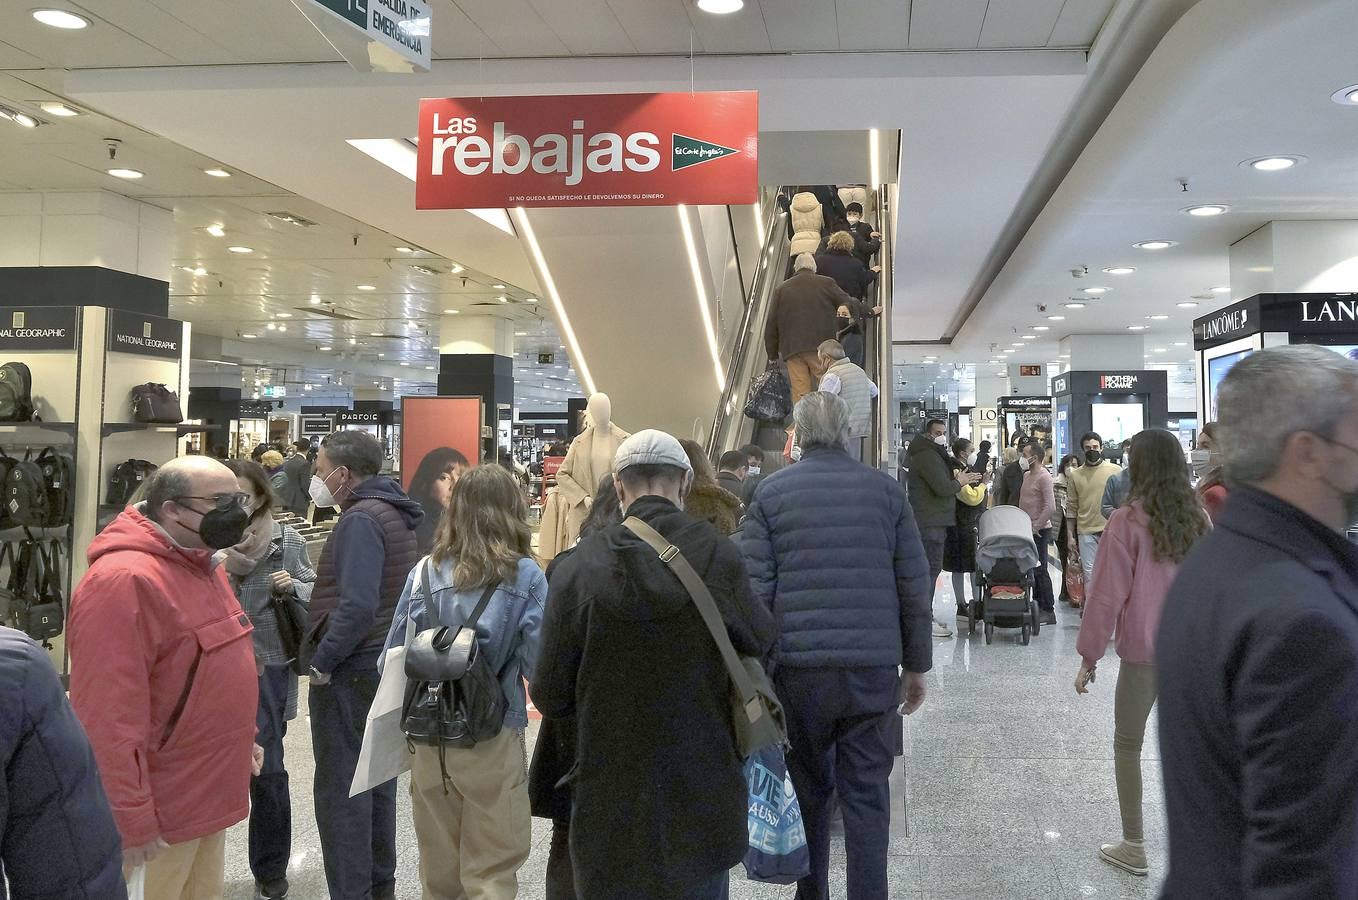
163	678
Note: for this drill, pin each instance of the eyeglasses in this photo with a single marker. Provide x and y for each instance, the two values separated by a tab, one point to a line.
221	501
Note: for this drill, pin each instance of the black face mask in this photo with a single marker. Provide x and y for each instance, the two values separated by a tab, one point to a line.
1093	457
222	528
844	321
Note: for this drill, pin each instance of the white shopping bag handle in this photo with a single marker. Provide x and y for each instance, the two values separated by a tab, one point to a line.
136	884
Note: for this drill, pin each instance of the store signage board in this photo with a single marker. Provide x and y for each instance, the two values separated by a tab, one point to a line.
357	417
38	327
255	409
130	332
274	391
1030	371
1061	385
1019	404
323	410
589	150
317	425
1122	382
375	35
546	359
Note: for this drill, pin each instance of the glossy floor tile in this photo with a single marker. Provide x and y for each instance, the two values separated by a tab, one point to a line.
1005	793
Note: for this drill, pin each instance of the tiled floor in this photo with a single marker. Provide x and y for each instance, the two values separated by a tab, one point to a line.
1008	781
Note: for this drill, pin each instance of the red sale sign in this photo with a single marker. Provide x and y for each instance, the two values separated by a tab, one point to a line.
589	150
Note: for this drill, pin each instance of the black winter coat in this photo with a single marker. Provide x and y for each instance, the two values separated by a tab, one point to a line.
1009	485
848	272
659	794
58	840
554	753
864	245
1257	660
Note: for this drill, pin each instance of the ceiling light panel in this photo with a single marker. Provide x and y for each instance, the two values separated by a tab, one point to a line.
60	18
1154	245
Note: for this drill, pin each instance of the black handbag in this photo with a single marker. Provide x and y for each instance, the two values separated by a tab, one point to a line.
770	398
291	618
155	404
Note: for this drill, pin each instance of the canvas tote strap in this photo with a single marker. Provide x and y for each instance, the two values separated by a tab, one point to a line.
707	607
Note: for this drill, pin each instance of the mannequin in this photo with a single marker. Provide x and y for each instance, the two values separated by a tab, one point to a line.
587	462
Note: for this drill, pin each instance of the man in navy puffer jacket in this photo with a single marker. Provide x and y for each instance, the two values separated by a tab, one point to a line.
57	834
832	549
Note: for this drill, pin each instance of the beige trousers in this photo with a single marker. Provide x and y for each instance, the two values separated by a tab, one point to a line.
1132	704
803	373
473	837
193	870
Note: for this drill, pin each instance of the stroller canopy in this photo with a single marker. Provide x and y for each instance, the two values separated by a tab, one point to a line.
1006	532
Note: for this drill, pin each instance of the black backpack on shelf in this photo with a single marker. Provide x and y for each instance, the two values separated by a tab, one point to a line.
58	479
126	478
155	404
33	594
16	393
26	494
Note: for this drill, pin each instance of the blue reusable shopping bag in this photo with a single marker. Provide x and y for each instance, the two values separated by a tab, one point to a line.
777	853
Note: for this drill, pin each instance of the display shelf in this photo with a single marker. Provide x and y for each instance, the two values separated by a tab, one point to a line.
25	428
110	428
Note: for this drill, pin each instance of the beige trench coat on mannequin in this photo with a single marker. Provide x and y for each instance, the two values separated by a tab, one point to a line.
577	480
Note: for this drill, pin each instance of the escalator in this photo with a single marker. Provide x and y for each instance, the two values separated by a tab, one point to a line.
745	357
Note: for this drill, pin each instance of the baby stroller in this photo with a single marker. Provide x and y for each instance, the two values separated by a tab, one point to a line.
1005	559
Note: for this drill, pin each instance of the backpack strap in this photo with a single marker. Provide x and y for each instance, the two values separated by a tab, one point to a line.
482	604
707	607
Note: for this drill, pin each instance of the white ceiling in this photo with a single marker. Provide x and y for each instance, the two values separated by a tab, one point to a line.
138	33
1235	80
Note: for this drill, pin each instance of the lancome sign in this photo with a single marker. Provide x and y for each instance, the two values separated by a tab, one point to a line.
1329	311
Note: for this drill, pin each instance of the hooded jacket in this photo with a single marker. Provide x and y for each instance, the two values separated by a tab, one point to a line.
163	678
806	223
60	839
362	573
658	787
933	490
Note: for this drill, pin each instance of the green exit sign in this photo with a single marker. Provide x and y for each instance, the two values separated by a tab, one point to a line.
355	11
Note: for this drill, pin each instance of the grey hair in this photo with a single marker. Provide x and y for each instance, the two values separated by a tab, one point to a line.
1270	395
831	349
357	451
805	261
822	420
165	484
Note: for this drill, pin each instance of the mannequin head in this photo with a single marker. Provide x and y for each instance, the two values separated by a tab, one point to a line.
600	411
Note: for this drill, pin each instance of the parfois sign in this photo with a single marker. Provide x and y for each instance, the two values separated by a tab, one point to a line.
589	150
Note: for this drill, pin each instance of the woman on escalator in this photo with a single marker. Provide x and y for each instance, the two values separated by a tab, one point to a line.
837	261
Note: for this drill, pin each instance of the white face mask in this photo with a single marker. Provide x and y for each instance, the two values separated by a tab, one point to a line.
971	460
754	470
1025	463
853	220
941	440
320	491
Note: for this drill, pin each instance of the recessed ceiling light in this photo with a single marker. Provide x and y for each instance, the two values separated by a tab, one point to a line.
1272	163
1137	327
25	120
60	110
315	301
272	326
1006	351
497	287
283	315
405	249
429	368
1154	245
520	334
1181	343
1160	350
451	312
374	334
1018	344
1158	318
1094	290
1187	304
282	328
1120	270
217	173
1073	305
530	299
239	249
1207	209
248	336
503	299
60	18
367	287
1347	96
216	230
1029	337
1042	328
721	7
130	174
1221	290
353	341
1055	318
457	270
324	349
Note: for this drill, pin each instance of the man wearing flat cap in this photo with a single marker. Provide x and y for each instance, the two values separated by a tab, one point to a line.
658	787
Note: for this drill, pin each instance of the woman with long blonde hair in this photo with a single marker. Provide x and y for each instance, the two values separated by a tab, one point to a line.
471	805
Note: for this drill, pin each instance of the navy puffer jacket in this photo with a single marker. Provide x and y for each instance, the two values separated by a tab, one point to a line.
832	549
57	835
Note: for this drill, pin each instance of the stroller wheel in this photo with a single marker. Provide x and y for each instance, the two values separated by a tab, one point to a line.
1035	617
1023	635
989	632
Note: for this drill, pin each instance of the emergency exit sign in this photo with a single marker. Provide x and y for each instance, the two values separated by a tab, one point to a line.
400	26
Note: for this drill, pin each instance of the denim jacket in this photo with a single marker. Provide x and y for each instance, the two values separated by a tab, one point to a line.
508	630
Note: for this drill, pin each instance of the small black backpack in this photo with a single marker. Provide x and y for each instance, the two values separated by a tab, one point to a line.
453	697
58	478
125	479
26	494
16	393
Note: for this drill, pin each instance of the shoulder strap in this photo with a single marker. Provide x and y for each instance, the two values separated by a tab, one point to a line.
702	598
482	604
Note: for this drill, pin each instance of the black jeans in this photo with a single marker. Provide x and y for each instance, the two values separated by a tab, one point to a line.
358	835
934	538
270	805
840	747
1042	577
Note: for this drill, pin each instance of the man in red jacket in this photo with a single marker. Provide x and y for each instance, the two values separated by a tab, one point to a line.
163	677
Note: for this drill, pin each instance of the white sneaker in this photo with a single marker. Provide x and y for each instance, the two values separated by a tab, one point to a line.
941	630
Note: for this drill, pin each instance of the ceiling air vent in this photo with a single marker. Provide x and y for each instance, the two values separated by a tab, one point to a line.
427	270
329	312
291	219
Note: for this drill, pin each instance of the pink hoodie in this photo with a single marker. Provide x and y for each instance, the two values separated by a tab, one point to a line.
1127	592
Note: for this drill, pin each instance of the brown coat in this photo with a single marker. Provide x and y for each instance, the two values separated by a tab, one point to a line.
714	504
803	314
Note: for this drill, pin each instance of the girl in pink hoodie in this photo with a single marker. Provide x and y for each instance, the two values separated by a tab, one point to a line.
1139	555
